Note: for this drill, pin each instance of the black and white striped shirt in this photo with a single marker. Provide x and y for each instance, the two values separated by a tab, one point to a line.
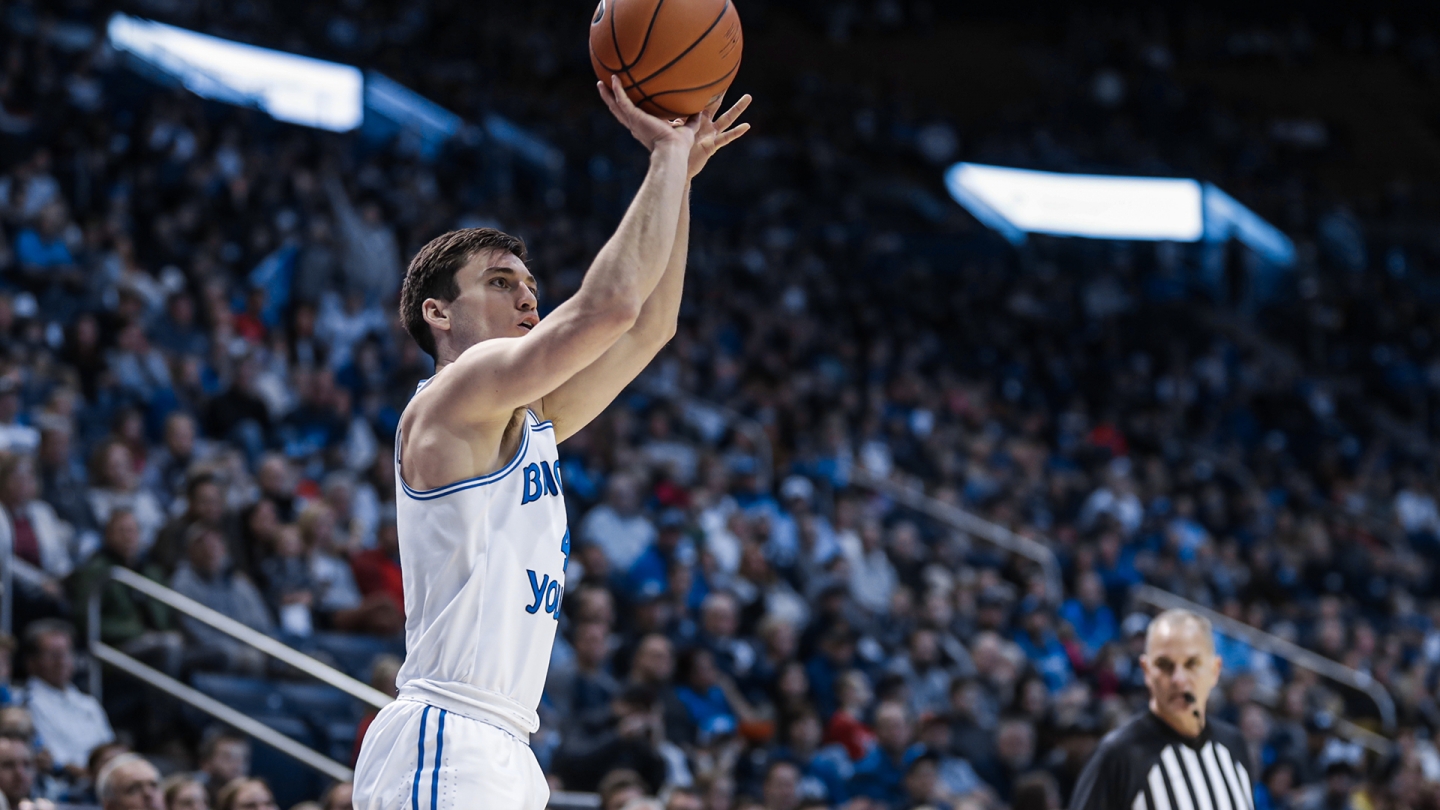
1147	765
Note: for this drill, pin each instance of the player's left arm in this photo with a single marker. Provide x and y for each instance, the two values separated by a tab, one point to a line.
581	398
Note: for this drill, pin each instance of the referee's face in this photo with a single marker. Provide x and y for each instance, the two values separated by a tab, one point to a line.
1180	660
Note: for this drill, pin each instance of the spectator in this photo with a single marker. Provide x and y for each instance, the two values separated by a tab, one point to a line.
368	248
720	634
129	782
1014	755
1037	791
619	788
825	770
872	576
115	485
168	469
224	758
338	603
617	526
204	501
289	586
140	628
583	698
246	794
17	771
34	530
880	774
84	791
847	726
184	792
377	570
630	740
699	689
1040	644
207	577
1086	612
781	789
71	723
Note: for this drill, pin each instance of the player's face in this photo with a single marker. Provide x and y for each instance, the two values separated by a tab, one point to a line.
1179	659
497	299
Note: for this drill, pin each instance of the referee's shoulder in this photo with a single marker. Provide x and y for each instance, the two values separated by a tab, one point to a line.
1134	731
1225	734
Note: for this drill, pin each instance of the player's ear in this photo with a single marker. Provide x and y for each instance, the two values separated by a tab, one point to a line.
436	313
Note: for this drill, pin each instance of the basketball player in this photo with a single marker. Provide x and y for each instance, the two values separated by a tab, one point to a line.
481	518
1171	757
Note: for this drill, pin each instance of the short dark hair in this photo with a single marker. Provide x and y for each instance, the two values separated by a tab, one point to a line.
432	274
215	736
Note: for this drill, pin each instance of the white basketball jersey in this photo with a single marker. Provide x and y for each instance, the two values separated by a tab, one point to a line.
483	564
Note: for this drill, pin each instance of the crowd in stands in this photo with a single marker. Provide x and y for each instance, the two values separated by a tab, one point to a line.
201	373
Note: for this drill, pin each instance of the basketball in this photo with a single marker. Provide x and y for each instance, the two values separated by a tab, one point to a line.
674	57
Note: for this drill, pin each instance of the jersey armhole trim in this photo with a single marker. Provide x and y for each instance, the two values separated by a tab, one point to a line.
478	481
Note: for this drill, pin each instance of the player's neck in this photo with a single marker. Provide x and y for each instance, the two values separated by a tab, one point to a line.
1189	727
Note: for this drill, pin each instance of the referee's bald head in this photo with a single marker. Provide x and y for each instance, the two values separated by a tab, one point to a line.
1181	668
1173	620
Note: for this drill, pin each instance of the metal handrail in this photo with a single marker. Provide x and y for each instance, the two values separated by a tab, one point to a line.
971	524
225	624
242	722
1273	644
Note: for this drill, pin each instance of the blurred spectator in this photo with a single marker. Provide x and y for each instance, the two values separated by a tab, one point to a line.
142	628
71	722
628	740
207	577
114	484
204	502
17	771
338	602
377	570
880	774
617	526
338	797
129	782
184	792
246	794
224	758
1093	621
36	533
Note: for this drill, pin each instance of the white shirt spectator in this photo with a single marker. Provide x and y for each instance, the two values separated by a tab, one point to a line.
68	722
622	538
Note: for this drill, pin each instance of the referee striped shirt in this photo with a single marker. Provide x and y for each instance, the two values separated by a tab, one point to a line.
1147	765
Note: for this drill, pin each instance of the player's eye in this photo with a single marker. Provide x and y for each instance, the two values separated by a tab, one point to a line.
500	282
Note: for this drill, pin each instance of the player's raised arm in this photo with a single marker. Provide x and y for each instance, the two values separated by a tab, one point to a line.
492	377
581	398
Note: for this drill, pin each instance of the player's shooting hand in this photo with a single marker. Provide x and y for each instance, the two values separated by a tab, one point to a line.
714	134
648	129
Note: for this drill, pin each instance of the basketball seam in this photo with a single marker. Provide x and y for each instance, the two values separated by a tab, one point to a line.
723	9
690	89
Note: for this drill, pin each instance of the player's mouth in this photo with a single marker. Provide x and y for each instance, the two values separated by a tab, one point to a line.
527	325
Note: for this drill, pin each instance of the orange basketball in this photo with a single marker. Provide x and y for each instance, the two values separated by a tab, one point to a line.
674	57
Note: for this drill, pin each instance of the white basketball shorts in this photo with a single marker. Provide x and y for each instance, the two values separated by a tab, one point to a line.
419	757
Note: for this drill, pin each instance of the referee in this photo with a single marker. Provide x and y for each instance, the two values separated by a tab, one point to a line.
1171	757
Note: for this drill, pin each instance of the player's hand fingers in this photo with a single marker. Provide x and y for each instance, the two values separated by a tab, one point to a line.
617	91
731	135
723	122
